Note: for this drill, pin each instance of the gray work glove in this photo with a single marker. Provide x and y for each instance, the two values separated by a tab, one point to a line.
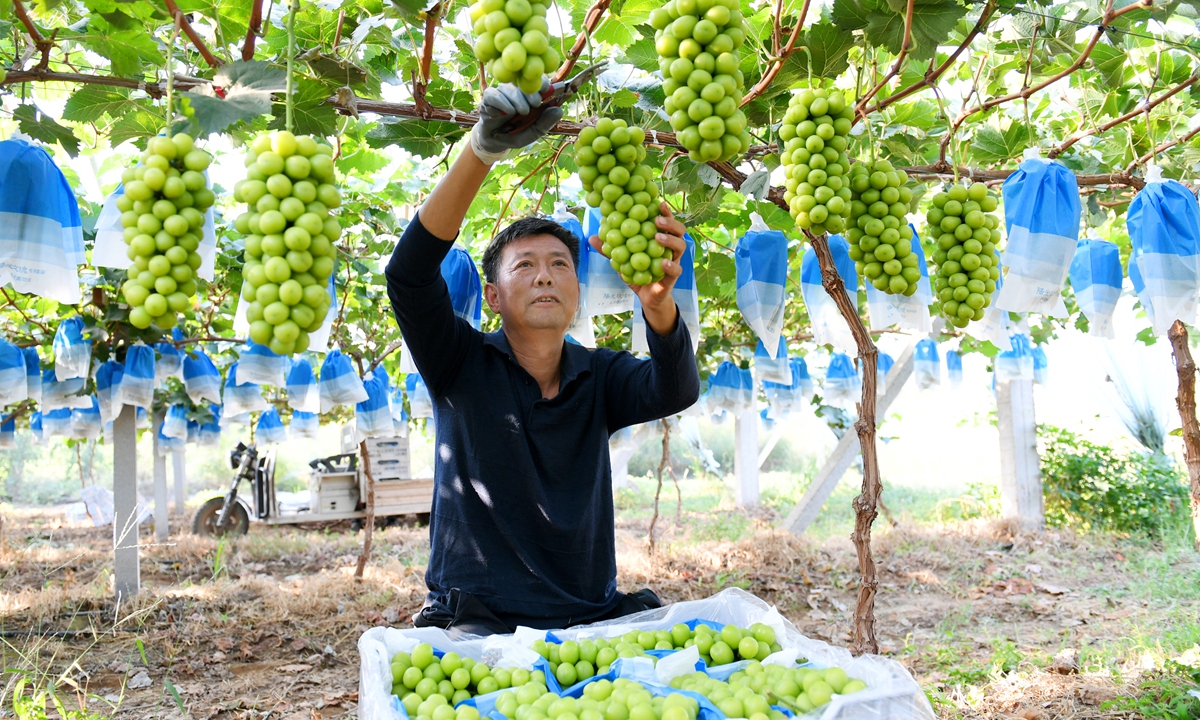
501	104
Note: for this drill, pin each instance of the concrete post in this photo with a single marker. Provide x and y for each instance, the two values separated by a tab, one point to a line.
180	468
1020	472
745	456
162	515
125	509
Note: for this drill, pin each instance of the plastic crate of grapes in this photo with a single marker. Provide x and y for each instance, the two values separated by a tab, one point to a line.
379	648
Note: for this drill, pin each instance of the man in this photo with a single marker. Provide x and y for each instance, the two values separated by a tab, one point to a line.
521	528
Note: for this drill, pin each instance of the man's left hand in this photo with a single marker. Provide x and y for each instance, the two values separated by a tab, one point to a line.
657	304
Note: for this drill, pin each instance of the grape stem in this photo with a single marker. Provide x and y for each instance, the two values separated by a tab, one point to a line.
777	62
170	110
291	63
866	504
591	20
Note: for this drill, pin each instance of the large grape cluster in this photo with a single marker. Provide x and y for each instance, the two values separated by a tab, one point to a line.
290	233
880	237
162	212
610	158
814	139
697	43
513	39
967	263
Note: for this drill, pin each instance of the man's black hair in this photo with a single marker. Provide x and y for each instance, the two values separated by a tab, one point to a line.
523	228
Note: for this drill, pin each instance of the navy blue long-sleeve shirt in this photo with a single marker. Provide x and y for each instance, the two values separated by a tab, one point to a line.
522	514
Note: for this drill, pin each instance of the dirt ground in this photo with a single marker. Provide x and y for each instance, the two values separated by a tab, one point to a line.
994	624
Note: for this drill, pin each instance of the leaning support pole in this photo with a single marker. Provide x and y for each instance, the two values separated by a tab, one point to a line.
162	514
369	521
1185	400
865	505
125	504
179	464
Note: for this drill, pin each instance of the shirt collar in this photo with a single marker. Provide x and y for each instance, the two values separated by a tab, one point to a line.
575	359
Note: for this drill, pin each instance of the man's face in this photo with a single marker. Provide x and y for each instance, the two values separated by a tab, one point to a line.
536	287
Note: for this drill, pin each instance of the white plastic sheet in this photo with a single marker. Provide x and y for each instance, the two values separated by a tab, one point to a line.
828	325
892	693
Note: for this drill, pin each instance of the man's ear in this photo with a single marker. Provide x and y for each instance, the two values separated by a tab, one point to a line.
491	293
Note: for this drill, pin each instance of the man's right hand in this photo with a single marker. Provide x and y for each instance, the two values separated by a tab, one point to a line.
499	106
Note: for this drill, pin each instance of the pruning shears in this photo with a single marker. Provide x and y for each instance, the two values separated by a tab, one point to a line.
554	96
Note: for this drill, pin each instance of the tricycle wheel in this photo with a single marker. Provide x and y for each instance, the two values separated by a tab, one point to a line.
205	521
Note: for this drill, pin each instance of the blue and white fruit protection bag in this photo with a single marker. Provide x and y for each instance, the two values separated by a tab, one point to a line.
687	299
581	329
1096	279
843	384
1015	364
954	370
240	398
201	380
761	260
776	368
828	325
270	430
302	392
1041	214
339	385
373	416
137	380
927	367
41	236
1164	230
13	388
259	365
72	351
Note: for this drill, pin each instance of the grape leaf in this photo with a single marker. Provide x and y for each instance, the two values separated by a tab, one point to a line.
642	55
134	125
1110	61
882	23
615	30
624	98
829	46
419	137
756	185
246	89
993	146
364	160
40	126
91	102
312	114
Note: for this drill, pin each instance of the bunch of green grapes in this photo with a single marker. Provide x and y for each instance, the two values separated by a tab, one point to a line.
968	266
879	235
610	158
697	43
814	136
602	700
424	682
162	211
513	39
573	661
750	693
290	234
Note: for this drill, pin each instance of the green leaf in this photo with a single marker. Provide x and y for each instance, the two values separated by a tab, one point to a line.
1110	61
247	89
91	102
135	125
642	55
830	47
364	160
615	30
882	23
922	114
41	126
991	146
624	98
419	137
312	114
718	270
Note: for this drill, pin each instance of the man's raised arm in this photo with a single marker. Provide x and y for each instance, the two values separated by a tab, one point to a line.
420	299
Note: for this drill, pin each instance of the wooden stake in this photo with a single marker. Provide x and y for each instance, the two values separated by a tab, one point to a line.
369	522
1185	400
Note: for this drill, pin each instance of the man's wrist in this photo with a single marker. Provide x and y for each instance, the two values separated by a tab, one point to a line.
485	157
662	321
